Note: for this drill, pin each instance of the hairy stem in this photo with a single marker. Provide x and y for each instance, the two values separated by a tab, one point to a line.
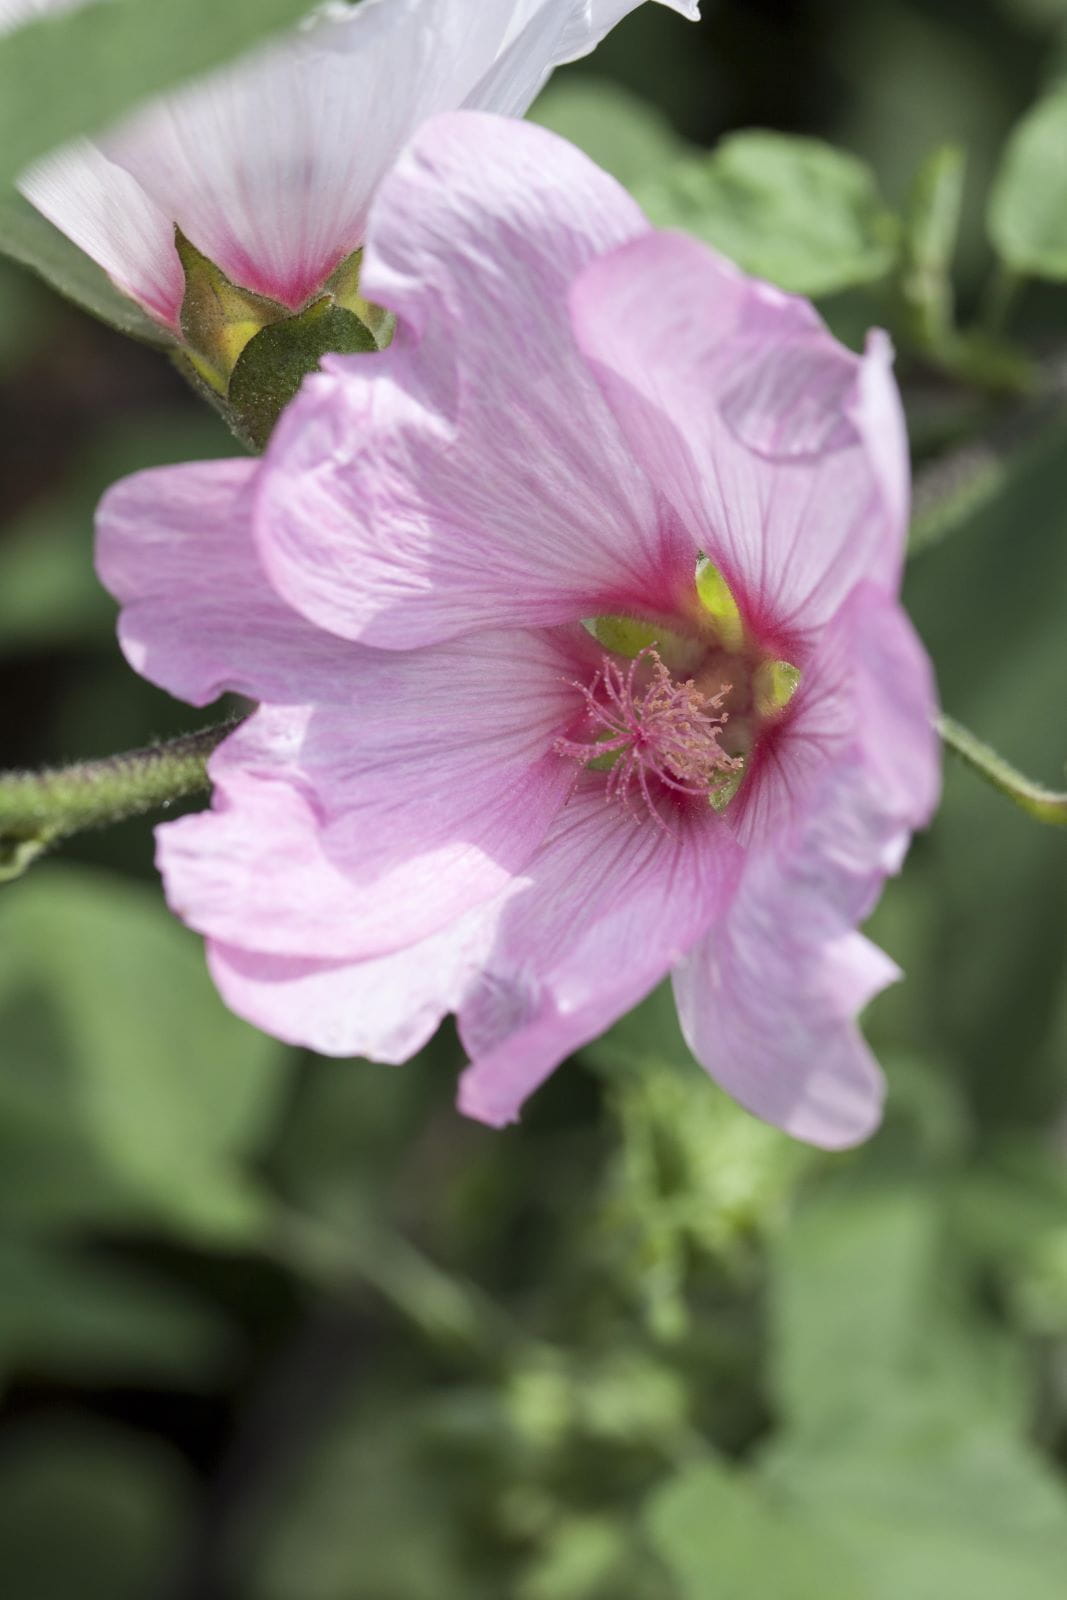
38	809
1045	804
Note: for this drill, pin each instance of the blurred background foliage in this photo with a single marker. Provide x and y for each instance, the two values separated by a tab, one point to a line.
280	1328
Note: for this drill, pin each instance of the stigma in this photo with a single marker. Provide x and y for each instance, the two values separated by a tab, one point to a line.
649	730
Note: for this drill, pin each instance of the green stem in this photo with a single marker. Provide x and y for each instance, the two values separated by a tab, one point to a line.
38	809
1045	804
999	297
447	1310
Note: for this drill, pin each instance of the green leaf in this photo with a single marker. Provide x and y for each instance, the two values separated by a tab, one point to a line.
900	1465
276	361
937	1506
26	237
110	57
165	1092
796	211
1028	201
853	1280
722	1538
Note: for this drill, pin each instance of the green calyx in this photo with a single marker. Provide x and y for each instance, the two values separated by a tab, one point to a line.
248	354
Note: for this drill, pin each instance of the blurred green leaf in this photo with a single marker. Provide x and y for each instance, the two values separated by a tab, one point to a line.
26	237
109	57
1028	201
722	1538
171	1091
620	131
91	1510
900	1465
91	1321
798	212
934	1512
852	1285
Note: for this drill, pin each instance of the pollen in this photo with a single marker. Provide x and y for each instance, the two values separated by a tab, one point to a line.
649	728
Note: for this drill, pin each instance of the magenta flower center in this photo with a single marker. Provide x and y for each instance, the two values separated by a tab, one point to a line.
646	724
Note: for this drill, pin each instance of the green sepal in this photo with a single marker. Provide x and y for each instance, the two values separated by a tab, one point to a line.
276	360
218	318
343	285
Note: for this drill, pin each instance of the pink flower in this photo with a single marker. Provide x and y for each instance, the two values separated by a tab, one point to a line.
269	166
455	795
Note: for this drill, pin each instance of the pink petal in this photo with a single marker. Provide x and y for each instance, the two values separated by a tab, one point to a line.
174	548
771	1017
384	1009
107	214
783	453
545	33
349	831
613	903
471	475
269	166
768	1001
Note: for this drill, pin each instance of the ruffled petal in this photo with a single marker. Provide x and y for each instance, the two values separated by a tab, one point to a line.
768	1001
784	453
384	1010
198	618
613	903
471	475
544	34
771	1017
349	831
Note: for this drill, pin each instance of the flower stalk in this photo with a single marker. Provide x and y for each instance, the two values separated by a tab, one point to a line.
1047	805
39	809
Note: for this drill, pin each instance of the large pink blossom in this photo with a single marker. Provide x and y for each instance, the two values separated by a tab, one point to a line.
574	620
269	166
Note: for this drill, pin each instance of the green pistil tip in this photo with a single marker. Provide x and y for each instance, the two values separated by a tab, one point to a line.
716	596
774	685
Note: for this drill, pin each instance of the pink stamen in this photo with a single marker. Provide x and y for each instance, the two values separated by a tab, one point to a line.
664	729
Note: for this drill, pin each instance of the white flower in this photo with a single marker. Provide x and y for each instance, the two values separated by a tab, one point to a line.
268	166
